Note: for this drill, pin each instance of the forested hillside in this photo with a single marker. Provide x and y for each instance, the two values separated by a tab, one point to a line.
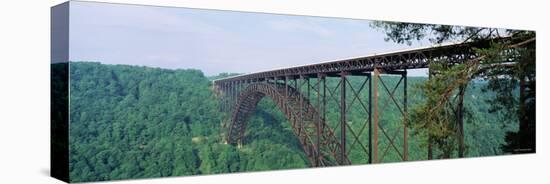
136	122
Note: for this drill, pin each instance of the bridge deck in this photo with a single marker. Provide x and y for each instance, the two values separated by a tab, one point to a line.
397	60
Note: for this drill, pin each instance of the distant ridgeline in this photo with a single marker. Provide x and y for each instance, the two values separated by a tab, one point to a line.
139	122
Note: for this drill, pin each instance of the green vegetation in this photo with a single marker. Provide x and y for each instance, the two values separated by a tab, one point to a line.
507	63
59	129
138	122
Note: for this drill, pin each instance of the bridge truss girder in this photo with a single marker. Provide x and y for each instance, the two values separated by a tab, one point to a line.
304	100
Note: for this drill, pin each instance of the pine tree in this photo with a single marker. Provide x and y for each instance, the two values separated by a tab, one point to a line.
508	63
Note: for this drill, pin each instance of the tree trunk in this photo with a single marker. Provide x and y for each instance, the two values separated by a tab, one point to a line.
430	152
460	120
523	121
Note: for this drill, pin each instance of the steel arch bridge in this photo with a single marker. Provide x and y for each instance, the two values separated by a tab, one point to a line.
303	95
316	138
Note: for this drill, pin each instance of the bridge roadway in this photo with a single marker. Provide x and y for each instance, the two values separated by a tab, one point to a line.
390	61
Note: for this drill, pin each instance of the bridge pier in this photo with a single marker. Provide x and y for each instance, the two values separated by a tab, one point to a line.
376	77
321	109
378	157
343	113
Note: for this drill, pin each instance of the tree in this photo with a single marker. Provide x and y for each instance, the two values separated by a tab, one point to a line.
507	63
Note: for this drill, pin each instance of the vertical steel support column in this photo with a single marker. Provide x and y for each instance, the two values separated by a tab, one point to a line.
343	117
430	152
223	109
234	108
296	84
237	92
318	118
312	151
224	97
375	125
296	88
308	90
235	97
228	112
324	111
286	99
230	96
405	132
370	118
301	109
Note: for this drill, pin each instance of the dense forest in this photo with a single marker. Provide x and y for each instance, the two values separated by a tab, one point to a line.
138	122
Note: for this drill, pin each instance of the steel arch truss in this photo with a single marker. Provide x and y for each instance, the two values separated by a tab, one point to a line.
316	138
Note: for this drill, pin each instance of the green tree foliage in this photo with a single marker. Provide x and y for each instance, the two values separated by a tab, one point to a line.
59	131
138	122
507	64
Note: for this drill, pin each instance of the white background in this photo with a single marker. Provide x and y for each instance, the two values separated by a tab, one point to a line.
24	90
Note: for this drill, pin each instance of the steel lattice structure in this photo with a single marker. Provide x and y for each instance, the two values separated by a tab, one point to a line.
316	138
303	95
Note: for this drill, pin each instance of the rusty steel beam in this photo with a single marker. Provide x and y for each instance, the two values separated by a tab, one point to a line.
319	120
376	77
405	131
324	111
343	115
301	105
430	141
285	110
370	119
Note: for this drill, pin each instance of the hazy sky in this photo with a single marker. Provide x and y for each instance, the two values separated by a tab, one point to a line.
215	41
